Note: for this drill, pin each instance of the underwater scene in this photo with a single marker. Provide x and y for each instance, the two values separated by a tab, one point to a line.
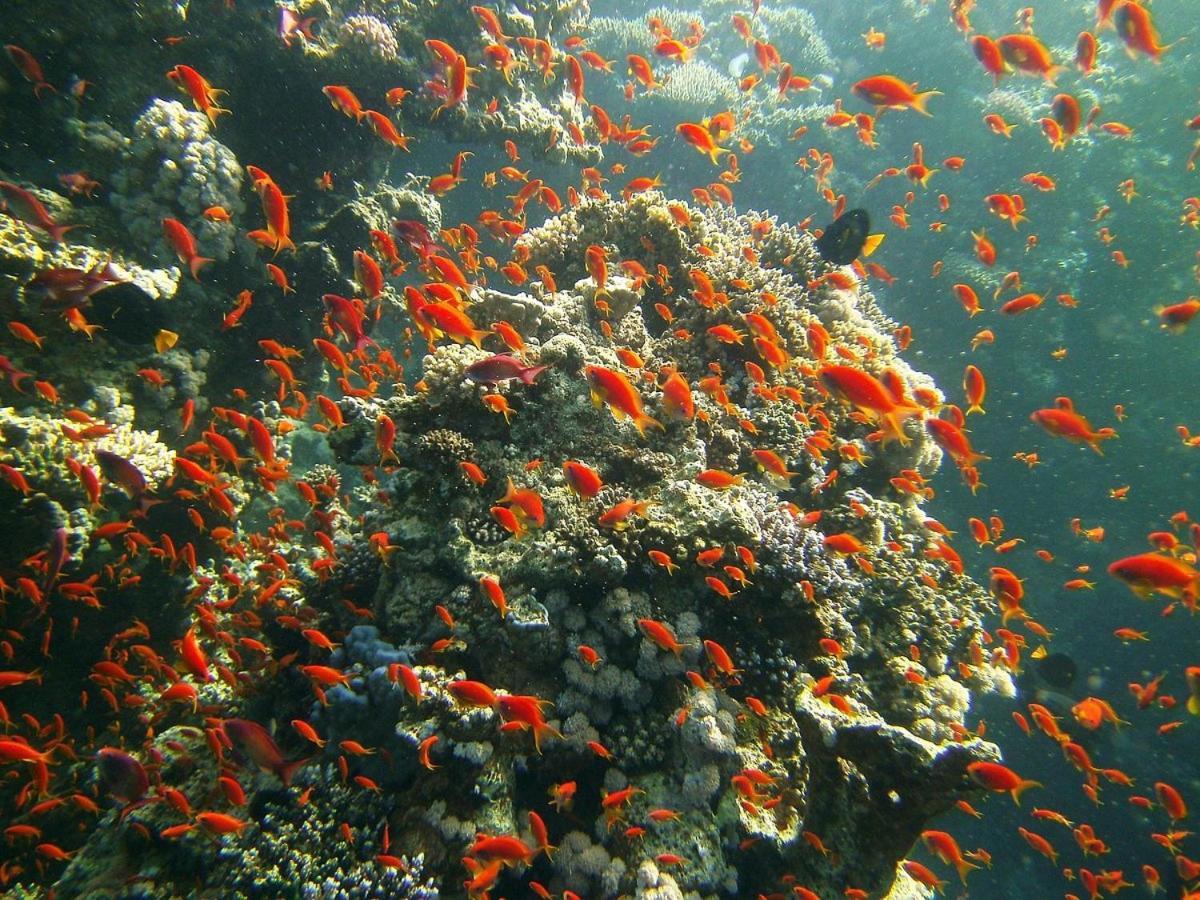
739	448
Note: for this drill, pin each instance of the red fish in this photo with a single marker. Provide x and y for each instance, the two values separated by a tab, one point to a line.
203	95
415	234
30	68
184	245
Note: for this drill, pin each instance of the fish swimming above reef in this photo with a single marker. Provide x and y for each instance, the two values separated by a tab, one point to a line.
847	237
502	367
66	287
416	234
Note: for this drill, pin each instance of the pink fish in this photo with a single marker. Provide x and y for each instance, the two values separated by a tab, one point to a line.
290	24
348	316
502	367
66	288
23	206
122	473
12	372
416	234
121	775
257	744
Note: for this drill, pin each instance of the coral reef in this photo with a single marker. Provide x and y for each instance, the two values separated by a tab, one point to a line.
369	35
22	257
174	167
889	748
742	636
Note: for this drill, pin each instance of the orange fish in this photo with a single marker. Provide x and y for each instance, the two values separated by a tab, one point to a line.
344	101
203	95
968	298
1153	573
889	92
869	395
385	129
989	56
275	208
985	250
1136	29
624	401
1027	54
184	245
995	777
1062	421
700	138
582	479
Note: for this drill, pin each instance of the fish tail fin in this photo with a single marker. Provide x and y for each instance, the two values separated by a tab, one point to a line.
528	376
963	868
921	99
58	232
477	335
1052	74
364	342
214	111
540	729
47	86
1101	434
643	421
286	770
893	429
1161	50
1021	788
198	262
283	242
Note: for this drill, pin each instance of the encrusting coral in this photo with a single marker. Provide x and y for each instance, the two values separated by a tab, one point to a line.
174	166
848	729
